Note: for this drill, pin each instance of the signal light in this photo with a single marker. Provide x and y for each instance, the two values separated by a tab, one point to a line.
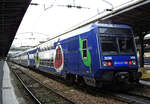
104	63
133	62
126	62
130	62
109	63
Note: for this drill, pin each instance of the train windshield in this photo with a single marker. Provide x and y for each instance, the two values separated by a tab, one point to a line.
109	46
115	44
126	45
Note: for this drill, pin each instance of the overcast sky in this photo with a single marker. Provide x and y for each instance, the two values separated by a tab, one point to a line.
56	18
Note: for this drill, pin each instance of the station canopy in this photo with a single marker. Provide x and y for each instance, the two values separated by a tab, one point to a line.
136	15
11	14
12	11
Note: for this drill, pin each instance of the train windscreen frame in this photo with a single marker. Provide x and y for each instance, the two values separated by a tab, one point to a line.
120	43
115	31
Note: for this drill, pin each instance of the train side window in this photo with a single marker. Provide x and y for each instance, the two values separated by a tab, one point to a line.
49	48
84	48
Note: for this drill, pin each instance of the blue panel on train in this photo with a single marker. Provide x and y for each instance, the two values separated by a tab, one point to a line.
120	63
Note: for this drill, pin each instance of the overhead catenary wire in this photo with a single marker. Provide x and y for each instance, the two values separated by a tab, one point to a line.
73	5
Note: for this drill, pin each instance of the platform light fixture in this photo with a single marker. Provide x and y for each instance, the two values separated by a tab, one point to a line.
34	4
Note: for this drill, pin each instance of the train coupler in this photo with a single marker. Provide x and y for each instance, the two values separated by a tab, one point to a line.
122	76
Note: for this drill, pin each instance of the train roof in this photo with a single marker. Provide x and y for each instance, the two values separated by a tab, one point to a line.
112	25
89	27
79	30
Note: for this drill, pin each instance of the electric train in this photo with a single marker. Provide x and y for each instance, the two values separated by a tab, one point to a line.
95	54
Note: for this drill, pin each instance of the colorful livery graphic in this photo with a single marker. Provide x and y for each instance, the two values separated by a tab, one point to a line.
95	54
59	59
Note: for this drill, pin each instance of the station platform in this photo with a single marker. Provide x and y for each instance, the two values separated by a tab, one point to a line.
145	81
7	93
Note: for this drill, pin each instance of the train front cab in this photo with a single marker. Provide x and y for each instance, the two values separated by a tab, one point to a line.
118	57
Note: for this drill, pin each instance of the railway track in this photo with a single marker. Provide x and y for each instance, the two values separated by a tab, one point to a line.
40	93
123	97
131	98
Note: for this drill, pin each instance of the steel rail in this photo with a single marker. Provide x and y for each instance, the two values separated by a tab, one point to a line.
131	98
139	96
124	97
34	97
70	102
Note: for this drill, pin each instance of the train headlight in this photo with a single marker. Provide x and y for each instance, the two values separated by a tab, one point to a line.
107	63
130	62
104	63
133	62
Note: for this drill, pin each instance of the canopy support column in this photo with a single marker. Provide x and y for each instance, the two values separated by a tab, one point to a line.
141	37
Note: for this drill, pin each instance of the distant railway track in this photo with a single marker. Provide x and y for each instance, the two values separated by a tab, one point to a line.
131	98
123	97
127	96
39	92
